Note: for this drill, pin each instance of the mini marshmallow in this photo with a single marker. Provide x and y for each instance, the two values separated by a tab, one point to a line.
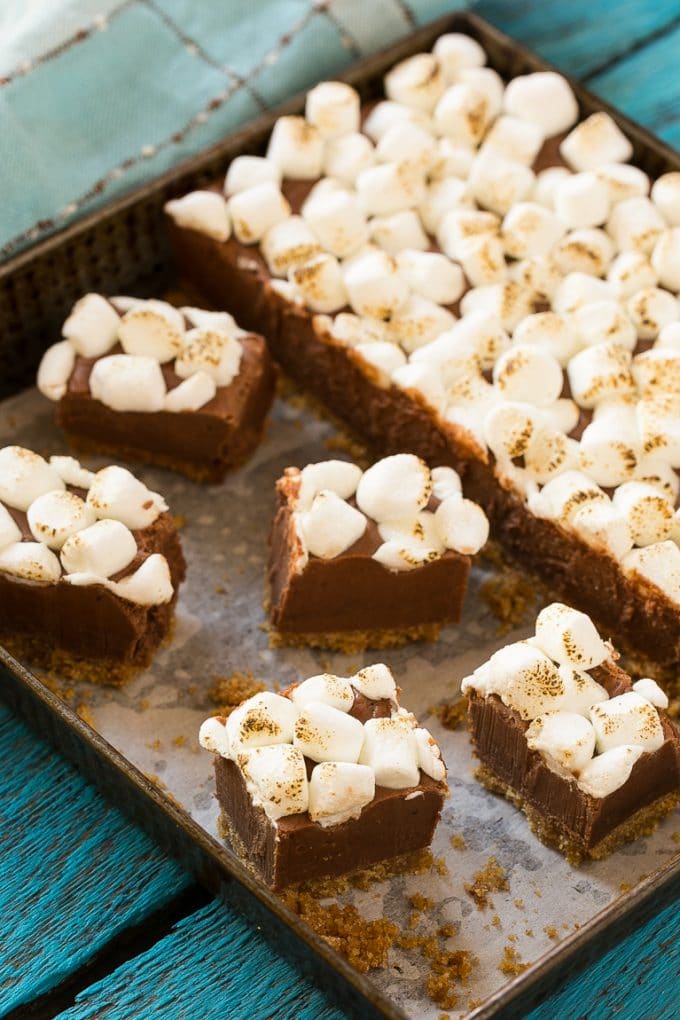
528	374
320	284
397	554
508	429
445	482
9	531
429	755
30	561
276	779
569	637
530	682
394	488
530	229
604	321
462	525
659	424
509	301
650	691
650	310
537	276
213	736
386	114
420	531
660	565
55	369
338	791
147	332
584	251
92	326
563	415
431	276
384	357
578	289
221	322
352	330
549	453
71	472
462	114
453	356
103	549
596	140
623	181
498	183
337	476
407	141
209	352
442	196
635	224
489	83
600	373
331	690
545	98
390	187
455	52
483	260
550	332
581	692
24	476
546	184
398	231
126	382
324	733
417	322
657	370
256	210
460	226
336	219
375	682
515	139
203	211
565	739
260	721
374	285
425	381
609	771
630	272
247	171
606	454
669	336
582	200
196	391
391	750
333	108
453	160
345	157
116	493
296	148
55	516
626	719
482	332
562	496
666	259
648	512
417	82
331	525
666	197
149	585
288	244
661	475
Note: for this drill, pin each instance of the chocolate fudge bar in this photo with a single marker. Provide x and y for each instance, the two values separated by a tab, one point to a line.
563	732
466	272
183	388
90	566
370	558
325	778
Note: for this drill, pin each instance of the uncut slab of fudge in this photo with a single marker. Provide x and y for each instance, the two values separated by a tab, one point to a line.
370	558
90	566
184	388
328	777
467	272
564	733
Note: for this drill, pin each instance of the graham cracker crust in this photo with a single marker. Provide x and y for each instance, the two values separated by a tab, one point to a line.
356	640
642	823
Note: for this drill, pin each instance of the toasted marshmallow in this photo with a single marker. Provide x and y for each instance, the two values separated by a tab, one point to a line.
92	326
71	472
431	275
515	139
260	721
550	332
636	224
549	453
338	791
276	779
546	185
508	428
609	771
398	231
397	554
320	283
147	332
544	98
196	391
445	482
55	369
569	637
623	181
324	733
607	454
489	83
336	476
596	140
394	488
296	148
126	382
346	156
116	493
498	183
391	750
660	474
562	496
425	380
420	531
578	289
565	739
213	736
336	218
630	272
581	692
429	755
537	276
374	284
333	108
24	476
375	682
666	197
384	357
657	370
601	321
417	82
600	373
462	525
212	353
660	565
288	244
149	585
529	374
390	187
462	113
563	415
55	516
648	512
417	322
256	210
651	692
582	200
650	310
407	140
455	52
460	225
530	229
529	682
331	690
509	301
442	196
352	330
331	525
453	160
204	211
626	719
483	260
669	337
666	259
30	561
584	251
9	531
659	424
247	171
386	114
103	549
482	332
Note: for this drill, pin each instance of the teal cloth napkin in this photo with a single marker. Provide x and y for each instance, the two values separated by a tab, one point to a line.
97	97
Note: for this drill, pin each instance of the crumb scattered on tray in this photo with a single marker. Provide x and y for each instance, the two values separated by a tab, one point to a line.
457	841
496	921
449	969
452	714
179	520
227	692
511	962
551	931
491	878
85	713
625	887
180	740
519	903
511	597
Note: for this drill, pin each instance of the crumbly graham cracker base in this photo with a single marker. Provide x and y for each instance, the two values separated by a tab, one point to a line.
352	641
642	823
204	473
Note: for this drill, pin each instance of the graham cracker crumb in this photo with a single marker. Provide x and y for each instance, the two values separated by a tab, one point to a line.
85	713
551	931
180	740
452	714
179	520
457	841
496	921
519	903
511	597
420	902
227	692
491	878
511	962
625	887
449	969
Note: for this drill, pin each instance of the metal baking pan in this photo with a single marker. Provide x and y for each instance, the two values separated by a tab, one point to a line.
122	249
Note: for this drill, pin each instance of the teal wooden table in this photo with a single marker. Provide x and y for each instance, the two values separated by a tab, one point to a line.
96	923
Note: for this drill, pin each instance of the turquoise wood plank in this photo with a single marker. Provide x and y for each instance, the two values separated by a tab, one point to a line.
212	966
580	36
75	873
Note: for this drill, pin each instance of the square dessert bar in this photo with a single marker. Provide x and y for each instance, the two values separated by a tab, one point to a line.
90	565
467	272
180	387
561	731
325	778
370	558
